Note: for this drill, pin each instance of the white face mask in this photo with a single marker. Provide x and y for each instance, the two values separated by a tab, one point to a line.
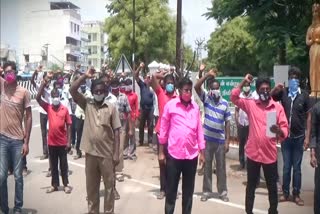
246	88
129	88
214	93
98	97
56	101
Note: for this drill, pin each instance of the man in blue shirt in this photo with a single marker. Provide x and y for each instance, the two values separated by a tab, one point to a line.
216	134
146	106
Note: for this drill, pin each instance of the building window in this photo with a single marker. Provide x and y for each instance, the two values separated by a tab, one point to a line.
71	27
75	28
89	50
101	49
78	31
94	37
89	37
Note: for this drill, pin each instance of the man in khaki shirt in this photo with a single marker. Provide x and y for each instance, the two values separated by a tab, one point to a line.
100	141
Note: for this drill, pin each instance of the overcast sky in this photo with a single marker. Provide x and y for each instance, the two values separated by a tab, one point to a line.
197	25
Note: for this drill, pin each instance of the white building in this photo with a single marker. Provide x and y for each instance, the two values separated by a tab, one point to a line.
96	42
84	48
48	32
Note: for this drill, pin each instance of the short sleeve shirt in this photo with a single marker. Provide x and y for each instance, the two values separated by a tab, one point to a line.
216	114
98	130
58	119
12	108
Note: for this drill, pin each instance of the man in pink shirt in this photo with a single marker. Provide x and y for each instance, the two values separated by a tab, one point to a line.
261	149
181	130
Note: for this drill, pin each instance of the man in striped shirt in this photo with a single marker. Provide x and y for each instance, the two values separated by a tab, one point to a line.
216	133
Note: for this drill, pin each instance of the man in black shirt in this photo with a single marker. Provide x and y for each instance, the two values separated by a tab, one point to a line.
146	106
296	104
315	155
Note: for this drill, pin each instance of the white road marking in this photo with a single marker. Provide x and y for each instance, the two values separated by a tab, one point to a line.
230	204
35	126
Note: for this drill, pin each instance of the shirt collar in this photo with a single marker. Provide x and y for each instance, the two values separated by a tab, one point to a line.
271	103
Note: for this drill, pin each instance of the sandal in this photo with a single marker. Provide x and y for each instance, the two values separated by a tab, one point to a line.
52	189
298	201
67	189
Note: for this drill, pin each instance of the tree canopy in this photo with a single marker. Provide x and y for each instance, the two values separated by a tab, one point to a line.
279	27
155	30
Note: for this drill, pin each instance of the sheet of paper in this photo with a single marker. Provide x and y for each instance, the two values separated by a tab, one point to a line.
271	120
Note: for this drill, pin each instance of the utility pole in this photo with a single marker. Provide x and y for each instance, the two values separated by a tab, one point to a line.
178	39
133	40
199	45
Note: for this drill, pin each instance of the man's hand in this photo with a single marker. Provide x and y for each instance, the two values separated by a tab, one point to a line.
68	146
313	161
25	149
248	78
49	76
202	160
141	65
90	73
226	147
306	144
212	73
202	67
162	158
130	133
275	129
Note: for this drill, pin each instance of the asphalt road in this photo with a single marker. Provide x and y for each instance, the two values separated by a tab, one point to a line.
137	191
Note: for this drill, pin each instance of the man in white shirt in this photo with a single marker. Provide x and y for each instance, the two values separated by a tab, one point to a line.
36	82
243	125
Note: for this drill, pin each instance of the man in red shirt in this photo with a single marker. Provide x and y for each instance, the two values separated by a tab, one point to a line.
130	141
163	95
268	125
59	136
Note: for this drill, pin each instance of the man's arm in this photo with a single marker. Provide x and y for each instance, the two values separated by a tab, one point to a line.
69	137
156	77
27	132
116	125
235	94
78	97
136	74
308	131
201	141
43	104
277	92
33	82
315	138
197	87
164	133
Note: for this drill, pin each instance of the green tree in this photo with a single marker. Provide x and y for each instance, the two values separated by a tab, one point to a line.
155	30
231	48
280	24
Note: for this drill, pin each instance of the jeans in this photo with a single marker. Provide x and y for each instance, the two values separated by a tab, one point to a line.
146	117
292	153
73	130
317	190
271	174
174	168
215	150
79	129
243	133
10	154
43	125
58	154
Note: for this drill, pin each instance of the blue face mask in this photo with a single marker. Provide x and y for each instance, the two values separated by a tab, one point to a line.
293	85
169	88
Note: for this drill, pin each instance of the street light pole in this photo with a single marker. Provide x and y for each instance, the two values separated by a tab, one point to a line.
178	38
133	40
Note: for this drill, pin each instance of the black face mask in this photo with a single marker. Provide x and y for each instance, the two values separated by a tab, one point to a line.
264	96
